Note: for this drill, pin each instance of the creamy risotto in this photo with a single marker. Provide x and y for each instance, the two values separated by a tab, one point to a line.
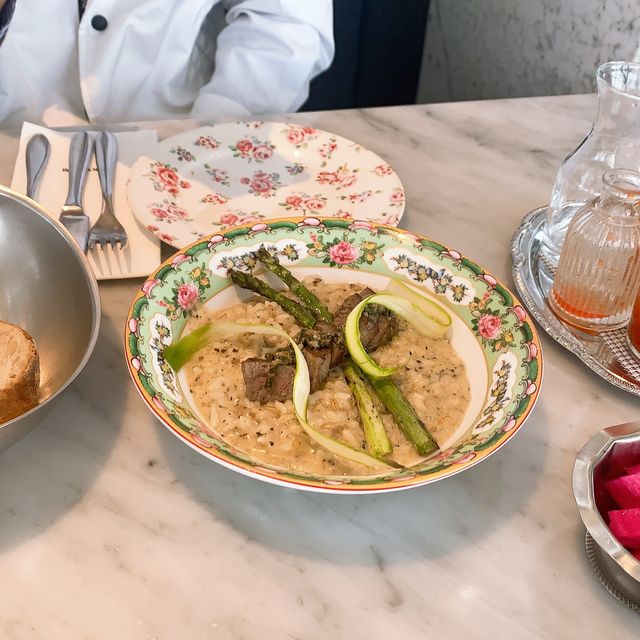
430	374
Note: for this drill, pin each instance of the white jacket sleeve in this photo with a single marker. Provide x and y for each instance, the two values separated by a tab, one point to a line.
266	56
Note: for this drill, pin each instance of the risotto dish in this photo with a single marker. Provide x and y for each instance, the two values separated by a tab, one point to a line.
384	387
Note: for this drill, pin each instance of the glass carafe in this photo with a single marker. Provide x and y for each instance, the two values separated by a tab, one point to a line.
613	142
599	270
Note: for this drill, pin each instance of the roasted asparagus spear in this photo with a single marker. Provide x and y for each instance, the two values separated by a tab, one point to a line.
310	300
247	281
375	434
404	415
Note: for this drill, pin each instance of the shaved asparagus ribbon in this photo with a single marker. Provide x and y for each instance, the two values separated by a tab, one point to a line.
178	354
413	313
430	308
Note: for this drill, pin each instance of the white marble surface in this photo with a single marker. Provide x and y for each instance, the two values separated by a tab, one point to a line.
111	528
508	48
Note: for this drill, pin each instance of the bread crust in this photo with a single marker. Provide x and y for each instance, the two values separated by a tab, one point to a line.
20	392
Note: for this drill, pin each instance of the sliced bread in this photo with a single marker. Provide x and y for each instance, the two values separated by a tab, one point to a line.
19	372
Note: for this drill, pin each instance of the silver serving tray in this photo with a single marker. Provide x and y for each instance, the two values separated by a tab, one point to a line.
606	353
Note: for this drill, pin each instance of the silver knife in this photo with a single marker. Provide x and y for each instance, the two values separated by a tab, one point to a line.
37	155
72	215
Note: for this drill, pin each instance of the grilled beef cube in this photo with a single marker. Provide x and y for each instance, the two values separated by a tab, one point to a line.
378	325
265	381
271	379
339	350
348	305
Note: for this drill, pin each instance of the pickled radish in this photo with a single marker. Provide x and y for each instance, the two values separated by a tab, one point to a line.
617	495
625	491
625	526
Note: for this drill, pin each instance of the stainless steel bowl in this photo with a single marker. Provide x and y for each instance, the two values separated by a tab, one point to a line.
617	446
46	287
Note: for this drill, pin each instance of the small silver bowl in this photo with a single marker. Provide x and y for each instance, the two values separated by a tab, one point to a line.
615	447
47	287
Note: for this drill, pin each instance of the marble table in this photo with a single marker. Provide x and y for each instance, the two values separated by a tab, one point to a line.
111	528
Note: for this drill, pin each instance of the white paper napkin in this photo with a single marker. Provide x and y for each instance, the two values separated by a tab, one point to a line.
142	253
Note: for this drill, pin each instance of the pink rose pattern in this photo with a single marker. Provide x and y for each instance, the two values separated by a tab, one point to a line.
263	184
229	218
383	170
206	142
326	150
359	198
391	218
491	323
214	198
300	136
292	202
489	326
251	148
242	147
304	203
166	178
340	252
237	217
165	237
396	199
187	292
219	176
340	178
262	152
187	295
315	203
343	253
169	212
159	213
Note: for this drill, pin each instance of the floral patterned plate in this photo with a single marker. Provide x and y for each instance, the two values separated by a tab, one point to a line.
205	181
491	332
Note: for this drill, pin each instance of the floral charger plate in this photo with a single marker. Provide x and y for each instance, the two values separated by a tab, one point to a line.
207	180
492	333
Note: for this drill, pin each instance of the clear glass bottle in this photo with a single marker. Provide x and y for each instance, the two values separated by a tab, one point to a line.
599	270
613	142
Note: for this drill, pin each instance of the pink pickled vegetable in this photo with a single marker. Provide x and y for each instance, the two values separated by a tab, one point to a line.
625	491
625	526
605	503
633	469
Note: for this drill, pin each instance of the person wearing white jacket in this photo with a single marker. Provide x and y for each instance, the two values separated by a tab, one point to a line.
65	62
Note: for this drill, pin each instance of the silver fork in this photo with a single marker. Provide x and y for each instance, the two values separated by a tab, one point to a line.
107	229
